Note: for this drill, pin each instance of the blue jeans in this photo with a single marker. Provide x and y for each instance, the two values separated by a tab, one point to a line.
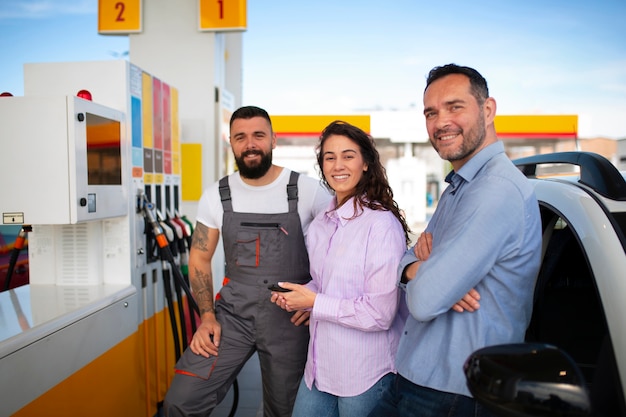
314	403
407	399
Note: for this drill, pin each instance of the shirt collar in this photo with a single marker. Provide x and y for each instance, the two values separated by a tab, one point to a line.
471	167
344	213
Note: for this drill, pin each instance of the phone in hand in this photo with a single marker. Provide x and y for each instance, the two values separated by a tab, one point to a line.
277	288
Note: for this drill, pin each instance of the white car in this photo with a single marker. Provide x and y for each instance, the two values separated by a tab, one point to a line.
579	315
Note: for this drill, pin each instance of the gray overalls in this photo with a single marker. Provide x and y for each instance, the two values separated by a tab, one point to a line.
260	249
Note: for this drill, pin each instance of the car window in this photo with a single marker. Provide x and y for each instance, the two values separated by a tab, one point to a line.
620	219
567	310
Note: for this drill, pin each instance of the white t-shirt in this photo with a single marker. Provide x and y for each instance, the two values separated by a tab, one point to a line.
313	198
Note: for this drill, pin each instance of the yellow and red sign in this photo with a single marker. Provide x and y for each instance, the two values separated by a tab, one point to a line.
312	125
537	126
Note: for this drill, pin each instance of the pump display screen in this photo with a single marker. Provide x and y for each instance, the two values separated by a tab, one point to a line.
104	159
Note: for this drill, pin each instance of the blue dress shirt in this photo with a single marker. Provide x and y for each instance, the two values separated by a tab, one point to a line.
486	235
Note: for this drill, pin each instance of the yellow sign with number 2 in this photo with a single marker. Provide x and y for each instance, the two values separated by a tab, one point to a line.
117	17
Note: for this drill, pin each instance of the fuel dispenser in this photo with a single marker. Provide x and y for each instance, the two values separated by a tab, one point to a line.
98	184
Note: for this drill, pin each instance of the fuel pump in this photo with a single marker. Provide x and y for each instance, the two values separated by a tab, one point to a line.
81	302
96	255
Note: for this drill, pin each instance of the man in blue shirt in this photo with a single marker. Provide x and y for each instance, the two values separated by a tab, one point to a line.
485	235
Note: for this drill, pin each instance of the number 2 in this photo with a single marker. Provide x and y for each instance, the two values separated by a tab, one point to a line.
119	5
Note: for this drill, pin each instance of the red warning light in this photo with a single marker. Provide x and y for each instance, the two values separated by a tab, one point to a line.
84	94
6	94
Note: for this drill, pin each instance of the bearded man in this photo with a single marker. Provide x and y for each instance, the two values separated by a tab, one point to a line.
263	212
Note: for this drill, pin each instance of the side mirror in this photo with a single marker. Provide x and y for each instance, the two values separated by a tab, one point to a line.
527	379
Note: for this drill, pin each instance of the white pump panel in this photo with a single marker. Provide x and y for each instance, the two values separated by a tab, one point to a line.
62	161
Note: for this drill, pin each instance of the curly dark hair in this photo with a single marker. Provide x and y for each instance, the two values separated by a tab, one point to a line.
373	190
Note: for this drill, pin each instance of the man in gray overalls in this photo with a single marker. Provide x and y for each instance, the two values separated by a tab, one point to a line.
263	211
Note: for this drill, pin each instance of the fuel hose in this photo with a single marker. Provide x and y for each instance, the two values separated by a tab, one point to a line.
166	254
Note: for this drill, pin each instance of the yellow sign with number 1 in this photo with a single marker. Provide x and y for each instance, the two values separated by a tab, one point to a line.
118	17
222	15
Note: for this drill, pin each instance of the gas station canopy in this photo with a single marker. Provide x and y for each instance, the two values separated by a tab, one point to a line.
510	128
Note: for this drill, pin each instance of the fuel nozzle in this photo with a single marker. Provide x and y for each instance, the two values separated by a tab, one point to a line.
159	235
17	247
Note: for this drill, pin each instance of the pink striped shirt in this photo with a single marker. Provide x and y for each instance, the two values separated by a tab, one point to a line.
354	326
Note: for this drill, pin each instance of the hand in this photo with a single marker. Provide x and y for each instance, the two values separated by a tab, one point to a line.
469	302
299	298
410	271
206	339
422	249
424	246
301	317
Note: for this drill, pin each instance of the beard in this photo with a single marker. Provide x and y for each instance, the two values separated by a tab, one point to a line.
472	140
257	170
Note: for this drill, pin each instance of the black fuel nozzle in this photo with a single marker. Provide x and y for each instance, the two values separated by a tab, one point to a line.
17	248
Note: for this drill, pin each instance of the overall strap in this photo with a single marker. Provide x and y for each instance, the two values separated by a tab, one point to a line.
292	192
224	189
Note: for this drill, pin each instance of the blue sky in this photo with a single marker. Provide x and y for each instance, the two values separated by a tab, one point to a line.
329	56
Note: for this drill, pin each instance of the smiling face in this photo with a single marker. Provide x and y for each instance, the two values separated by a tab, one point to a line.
252	141
342	165
456	122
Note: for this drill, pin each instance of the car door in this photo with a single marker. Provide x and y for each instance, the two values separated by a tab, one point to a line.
581	287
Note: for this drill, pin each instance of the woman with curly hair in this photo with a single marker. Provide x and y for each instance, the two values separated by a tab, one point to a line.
354	249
